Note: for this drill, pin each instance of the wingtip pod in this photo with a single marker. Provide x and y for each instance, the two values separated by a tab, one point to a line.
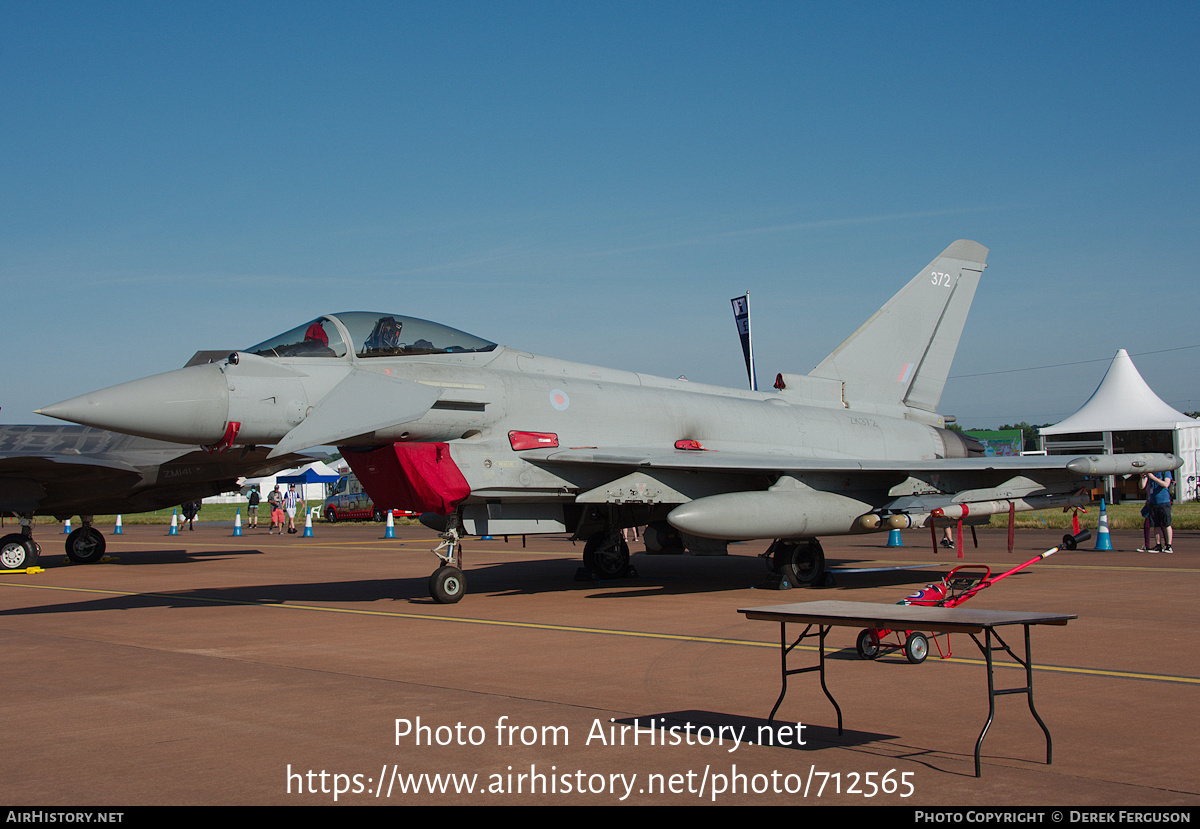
1124	464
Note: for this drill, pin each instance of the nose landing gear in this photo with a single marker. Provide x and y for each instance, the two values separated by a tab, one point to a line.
447	584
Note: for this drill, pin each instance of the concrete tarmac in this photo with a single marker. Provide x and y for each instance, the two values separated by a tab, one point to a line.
205	668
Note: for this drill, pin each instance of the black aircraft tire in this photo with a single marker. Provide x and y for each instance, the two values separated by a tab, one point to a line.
85	545
607	556
17	552
916	648
800	562
447	585
868	644
661	537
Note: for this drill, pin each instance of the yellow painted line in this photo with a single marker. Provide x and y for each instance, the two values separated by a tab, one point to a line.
1123	568
410	545
672	637
396	615
1064	669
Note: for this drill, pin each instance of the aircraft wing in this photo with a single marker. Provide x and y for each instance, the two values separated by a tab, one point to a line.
69	470
749	462
28	484
736	495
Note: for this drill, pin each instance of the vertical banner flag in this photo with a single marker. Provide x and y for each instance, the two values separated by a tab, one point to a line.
741	316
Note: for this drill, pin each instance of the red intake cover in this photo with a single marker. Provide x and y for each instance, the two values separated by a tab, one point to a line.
420	477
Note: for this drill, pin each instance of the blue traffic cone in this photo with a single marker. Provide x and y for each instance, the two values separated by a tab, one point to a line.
174	524
1103	539
237	522
894	539
117	530
308	524
390	532
67	527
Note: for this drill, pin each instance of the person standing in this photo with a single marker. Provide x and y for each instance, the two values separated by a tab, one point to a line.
289	506
275	500
1158	499
190	510
252	508
1147	547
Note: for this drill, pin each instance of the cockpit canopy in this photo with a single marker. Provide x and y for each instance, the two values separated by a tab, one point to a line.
369	334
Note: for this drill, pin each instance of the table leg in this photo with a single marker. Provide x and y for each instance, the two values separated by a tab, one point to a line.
784	650
1026	663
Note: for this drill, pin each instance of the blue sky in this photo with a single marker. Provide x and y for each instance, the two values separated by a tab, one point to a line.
595	180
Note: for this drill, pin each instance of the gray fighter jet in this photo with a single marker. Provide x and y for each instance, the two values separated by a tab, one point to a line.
491	440
75	470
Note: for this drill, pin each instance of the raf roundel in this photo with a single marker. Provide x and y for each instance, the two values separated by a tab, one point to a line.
559	400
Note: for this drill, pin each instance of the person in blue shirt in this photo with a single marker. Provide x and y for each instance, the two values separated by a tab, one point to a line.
1158	503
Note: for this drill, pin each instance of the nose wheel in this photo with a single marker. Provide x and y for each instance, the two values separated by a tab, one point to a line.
17	552
447	584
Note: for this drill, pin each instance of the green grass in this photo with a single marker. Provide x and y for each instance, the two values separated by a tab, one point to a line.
1127	516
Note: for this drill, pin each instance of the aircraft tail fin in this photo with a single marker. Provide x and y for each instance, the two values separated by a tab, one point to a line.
902	354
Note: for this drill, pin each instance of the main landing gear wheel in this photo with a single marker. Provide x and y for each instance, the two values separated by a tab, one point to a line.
607	555
17	552
447	585
661	537
85	545
916	648
868	644
801	562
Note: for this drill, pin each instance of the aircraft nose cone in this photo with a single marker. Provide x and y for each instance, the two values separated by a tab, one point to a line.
188	405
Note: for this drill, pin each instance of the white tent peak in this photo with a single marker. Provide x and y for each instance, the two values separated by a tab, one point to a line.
1121	402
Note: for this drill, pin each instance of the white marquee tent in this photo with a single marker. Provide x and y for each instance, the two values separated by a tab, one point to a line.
308	492
1124	415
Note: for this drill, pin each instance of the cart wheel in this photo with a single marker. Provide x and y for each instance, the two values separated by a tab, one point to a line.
868	644
916	648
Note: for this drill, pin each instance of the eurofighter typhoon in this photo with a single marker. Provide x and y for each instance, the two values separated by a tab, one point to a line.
489	440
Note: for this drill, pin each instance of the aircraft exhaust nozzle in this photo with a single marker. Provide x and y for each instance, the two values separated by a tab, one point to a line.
742	516
188	405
